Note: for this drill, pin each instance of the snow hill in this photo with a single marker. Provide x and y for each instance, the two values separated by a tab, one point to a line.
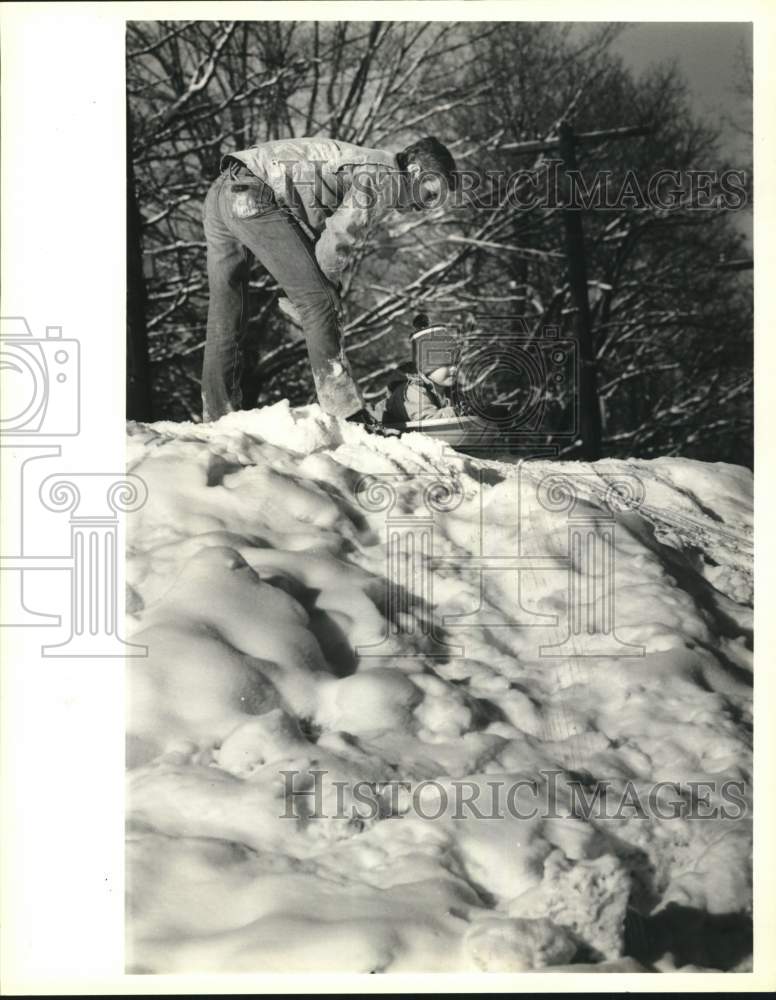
331	613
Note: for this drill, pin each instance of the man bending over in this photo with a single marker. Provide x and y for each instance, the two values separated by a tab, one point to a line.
301	207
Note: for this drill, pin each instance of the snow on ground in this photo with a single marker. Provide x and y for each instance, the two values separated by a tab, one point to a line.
281	661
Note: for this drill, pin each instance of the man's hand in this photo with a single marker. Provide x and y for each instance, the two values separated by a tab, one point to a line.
289	311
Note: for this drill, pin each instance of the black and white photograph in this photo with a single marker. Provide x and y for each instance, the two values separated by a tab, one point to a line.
420	575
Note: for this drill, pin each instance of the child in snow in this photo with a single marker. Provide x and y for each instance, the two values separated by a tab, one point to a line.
418	389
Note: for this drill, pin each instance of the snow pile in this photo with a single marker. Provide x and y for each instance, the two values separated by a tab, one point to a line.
286	677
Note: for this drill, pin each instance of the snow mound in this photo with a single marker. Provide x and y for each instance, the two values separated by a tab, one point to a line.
382	676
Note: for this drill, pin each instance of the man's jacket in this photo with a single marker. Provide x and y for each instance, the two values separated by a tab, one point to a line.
337	191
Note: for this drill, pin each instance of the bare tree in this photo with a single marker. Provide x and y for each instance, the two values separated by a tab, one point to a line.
671	333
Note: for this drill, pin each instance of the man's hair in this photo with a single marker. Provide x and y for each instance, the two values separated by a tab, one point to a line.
433	157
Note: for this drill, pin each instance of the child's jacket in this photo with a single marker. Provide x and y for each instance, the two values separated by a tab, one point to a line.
413	397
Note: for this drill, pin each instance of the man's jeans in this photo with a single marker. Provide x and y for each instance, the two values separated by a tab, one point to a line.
242	218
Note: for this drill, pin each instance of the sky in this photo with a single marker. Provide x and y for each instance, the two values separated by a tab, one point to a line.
708	56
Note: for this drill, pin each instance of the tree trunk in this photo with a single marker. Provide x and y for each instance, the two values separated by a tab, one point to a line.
589	411
139	404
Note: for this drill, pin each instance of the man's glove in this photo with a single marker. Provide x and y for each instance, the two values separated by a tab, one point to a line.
370	423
